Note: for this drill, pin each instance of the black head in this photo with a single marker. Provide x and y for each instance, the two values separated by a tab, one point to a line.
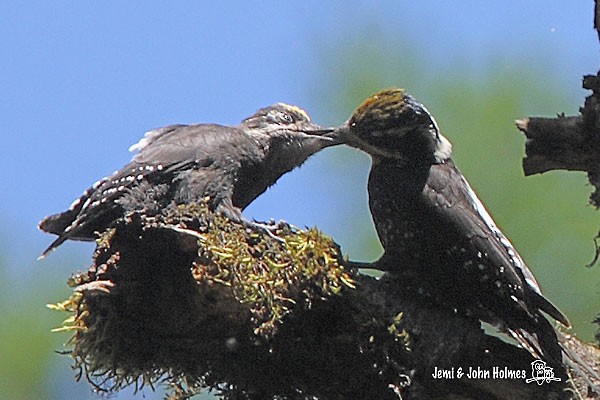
392	124
282	119
287	137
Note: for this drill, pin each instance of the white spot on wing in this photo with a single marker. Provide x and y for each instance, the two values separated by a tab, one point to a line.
149	137
143	141
87	203
515	258
75	204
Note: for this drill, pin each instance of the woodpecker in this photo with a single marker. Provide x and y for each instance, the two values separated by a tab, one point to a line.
229	165
436	234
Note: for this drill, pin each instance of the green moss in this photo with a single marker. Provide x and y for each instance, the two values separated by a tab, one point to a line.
192	301
272	277
174	295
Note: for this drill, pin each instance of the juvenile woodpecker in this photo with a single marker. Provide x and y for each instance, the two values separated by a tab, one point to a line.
436	233
229	165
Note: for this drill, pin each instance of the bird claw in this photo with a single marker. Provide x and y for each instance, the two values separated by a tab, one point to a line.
268	228
360	265
104	286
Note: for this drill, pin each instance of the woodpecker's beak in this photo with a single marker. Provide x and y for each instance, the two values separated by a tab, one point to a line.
323	134
331	135
335	136
342	135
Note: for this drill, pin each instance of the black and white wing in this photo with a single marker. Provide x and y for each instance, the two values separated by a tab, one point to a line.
507	286
454	200
167	161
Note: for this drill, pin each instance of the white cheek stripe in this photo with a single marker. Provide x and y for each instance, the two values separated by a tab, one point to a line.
443	149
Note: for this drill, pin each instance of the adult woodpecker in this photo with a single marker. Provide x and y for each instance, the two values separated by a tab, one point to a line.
229	165
436	233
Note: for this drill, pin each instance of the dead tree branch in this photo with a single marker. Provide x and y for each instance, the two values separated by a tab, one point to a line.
196	302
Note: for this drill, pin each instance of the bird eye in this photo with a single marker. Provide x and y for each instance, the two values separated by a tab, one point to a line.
279	117
286	118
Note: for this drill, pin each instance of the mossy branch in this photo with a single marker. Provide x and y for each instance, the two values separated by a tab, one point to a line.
194	301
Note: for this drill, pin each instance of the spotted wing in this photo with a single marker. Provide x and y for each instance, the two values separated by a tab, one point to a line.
167	157
455	202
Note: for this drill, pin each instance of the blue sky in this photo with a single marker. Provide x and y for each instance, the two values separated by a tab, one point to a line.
82	81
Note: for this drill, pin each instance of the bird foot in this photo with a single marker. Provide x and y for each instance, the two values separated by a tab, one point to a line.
104	286
360	264
268	227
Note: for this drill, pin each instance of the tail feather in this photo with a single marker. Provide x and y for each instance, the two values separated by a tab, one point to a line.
69	225
83	227
579	366
58	223
59	240
546	306
65	225
540	346
540	339
552	346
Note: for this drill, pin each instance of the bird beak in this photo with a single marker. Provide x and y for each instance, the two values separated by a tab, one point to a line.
338	135
323	133
344	135
341	134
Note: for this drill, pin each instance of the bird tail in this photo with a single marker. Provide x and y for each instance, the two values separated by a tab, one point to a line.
58	223
543	304
544	346
72	226
69	225
581	368
59	240
554	347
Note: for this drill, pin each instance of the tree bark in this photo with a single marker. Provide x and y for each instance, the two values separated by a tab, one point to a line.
167	301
